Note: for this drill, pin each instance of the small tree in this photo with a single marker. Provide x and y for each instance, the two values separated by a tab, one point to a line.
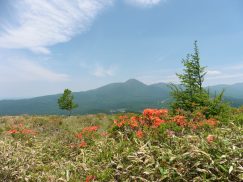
190	94
65	101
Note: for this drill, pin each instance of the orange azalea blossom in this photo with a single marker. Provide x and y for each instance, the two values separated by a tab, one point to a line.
123	117
90	128
119	124
157	122
134	118
212	122
83	144
210	138
180	120
133	123
12	131
163	112
139	134
148	112
155	112
141	121
79	135
89	178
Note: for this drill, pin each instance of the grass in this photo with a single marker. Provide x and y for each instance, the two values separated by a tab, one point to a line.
49	155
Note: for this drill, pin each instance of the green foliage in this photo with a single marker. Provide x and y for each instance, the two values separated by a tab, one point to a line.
173	156
216	107
66	101
190	95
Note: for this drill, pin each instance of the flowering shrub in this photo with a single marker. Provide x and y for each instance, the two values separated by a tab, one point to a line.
139	134
89	178
191	149
21	131
87	135
151	119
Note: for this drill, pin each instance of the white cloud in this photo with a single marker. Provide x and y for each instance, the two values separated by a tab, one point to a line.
213	72
236	67
144	3
23	70
44	23
101	71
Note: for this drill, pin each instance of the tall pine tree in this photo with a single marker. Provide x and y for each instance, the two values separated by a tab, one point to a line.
190	94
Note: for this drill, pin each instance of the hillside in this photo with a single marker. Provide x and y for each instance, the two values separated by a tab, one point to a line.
131	95
94	148
235	90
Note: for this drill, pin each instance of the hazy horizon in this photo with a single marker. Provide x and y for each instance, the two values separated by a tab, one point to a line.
33	96
85	44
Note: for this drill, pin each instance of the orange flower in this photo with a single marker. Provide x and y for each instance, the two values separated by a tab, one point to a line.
148	112
141	121
210	138
212	122
83	144
139	134
90	128
121	124
79	135
157	122
155	112
89	178
163	112
180	120
134	118
134	124
12	131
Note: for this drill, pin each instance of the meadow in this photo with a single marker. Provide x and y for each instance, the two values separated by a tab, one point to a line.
153	146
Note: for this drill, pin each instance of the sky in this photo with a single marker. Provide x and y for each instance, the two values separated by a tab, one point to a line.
49	45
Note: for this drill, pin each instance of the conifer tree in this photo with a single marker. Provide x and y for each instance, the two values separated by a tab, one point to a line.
190	94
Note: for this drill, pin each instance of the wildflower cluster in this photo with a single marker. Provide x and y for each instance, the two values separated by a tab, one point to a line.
86	136
21	130
154	118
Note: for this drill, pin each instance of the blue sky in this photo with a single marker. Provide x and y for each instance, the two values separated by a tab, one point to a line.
49	45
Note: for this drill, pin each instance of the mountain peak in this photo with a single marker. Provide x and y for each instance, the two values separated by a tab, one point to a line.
133	81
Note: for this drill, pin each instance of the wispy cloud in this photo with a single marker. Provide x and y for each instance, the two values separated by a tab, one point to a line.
144	3
236	67
101	71
44	23
213	72
98	70
24	70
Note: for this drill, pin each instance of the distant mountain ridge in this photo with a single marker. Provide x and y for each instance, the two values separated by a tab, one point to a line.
131	95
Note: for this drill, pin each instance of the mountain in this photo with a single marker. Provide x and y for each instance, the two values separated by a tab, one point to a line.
235	90
131	95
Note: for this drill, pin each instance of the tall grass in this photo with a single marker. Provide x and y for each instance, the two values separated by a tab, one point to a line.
53	153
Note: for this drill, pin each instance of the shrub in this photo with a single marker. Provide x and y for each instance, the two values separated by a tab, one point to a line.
190	94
